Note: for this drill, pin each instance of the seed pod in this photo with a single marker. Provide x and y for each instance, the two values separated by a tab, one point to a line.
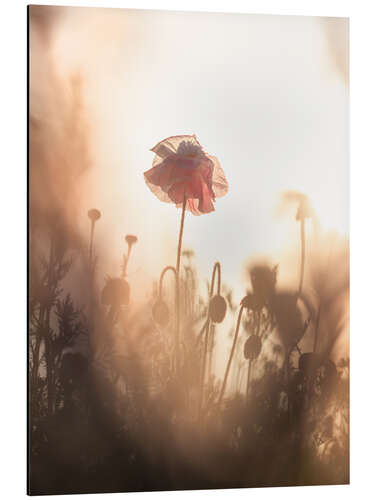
160	313
263	280
252	347
251	302
288	316
305	210
131	239
94	214
217	309
116	292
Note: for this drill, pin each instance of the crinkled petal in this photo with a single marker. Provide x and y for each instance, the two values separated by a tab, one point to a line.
205	201
153	178
194	188
172	170
177	174
169	146
194	206
219	181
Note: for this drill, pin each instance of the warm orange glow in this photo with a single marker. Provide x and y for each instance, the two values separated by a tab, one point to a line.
270	101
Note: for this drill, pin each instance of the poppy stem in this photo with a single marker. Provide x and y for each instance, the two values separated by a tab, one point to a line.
317	330
302	255
288	388
126	261
203	366
199	336
161	279
217	268
258	316
211	347
231	356
178	312
248	380
177	305
91	238
180	236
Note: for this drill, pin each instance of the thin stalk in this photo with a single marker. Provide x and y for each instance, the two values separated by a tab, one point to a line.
177	275
248	380
302	269
91	338
240	376
199	336
211	347
216	269
203	373
258	316
91	238
231	355
180	236
288	389
177	306
162	275
316	331
192	294
320	303
126	261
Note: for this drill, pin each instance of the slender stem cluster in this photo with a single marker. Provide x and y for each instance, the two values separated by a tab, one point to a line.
180	236
251	359
227	370
177	300
216	270
92	228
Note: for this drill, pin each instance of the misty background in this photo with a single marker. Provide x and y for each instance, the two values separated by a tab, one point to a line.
267	95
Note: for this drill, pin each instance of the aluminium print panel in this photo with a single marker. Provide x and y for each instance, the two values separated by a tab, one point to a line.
188	250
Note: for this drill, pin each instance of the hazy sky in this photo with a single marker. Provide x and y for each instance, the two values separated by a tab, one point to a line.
266	94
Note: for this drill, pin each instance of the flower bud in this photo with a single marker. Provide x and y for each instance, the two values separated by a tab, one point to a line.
116	292
251	302
263	280
305	210
252	347
131	239
217	309
94	214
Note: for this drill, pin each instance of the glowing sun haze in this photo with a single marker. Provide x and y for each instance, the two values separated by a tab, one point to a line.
267	95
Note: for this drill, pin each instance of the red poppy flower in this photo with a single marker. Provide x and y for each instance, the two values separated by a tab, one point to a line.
182	168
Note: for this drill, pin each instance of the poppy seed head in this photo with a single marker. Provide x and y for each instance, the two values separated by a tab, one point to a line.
186	148
94	214
217	308
116	292
252	347
263	280
305	210
131	239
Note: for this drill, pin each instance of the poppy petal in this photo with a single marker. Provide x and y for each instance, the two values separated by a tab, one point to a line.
151	178
170	145
219	181
179	171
